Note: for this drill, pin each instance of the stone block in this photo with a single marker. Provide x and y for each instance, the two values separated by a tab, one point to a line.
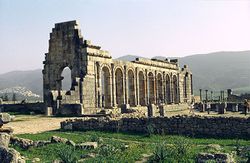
4	139
87	145
8	130
10	155
124	108
4	118
57	139
48	111
152	110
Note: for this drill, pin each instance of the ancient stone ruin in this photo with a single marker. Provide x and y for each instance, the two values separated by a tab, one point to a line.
100	82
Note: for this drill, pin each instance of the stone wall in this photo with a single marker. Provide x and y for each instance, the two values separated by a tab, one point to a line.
184	125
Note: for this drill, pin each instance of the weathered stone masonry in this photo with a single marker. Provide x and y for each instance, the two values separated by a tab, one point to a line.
233	127
98	81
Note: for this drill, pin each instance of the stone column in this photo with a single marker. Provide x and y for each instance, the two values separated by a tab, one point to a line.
206	95
164	88
111	90
211	96
126	85
113	86
156	88
178	88
137	101
155	85
171	88
201	95
146	86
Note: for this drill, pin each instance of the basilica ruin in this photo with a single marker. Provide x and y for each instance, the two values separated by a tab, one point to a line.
99	82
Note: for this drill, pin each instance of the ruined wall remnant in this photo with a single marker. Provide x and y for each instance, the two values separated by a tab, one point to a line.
98	81
237	127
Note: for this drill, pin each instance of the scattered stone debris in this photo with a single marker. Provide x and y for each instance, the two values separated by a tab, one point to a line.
87	145
217	157
7	155
36	160
57	139
10	155
4	139
89	155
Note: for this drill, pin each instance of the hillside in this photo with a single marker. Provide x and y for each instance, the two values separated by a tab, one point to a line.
213	71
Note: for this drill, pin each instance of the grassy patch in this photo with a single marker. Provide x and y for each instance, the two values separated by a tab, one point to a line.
126	147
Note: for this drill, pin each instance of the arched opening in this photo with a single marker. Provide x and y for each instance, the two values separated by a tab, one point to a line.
119	87
151	90
175	89
131	88
106	88
168	89
159	89
66	79
142	90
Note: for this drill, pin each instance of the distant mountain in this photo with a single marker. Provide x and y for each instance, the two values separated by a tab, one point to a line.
19	93
220	70
31	80
213	71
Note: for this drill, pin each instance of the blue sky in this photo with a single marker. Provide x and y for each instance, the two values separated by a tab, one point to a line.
139	27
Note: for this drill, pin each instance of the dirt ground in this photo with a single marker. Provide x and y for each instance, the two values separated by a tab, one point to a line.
39	123
34	124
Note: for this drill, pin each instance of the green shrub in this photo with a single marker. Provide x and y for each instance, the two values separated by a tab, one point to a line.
150	128
94	138
67	154
180	149
160	154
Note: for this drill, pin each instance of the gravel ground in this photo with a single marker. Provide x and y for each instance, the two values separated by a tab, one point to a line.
34	124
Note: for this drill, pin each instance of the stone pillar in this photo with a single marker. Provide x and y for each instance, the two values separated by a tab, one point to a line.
206	96
146	85
178	88
221	96
113	86
152	110
137	101
98	102
156	88
201	95
155	96
126	84
211	96
164	88
171	89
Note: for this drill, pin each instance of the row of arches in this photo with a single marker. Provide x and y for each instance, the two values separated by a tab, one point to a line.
141	90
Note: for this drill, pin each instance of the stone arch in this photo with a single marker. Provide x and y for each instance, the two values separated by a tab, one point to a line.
131	87
168	89
119	86
106	87
142	90
159	88
175	89
66	79
151	87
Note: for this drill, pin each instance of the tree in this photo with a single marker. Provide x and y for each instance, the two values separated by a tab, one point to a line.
5	98
14	97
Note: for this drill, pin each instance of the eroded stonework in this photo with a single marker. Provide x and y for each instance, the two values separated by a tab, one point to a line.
98	81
